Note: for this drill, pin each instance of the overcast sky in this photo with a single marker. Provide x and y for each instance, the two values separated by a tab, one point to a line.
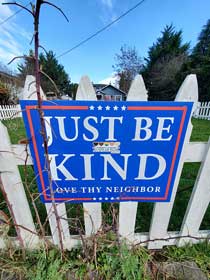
140	28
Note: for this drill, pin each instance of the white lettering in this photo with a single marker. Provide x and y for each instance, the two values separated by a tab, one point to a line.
90	128
111	128
161	128
146	129
142	166
62	128
87	166
54	168
121	171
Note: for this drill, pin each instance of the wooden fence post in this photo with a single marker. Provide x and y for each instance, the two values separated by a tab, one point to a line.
199	200
14	193
92	211
63	222
162	211
29	90
128	210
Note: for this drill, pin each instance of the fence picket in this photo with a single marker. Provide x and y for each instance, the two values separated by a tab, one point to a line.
14	191
162	211
59	226
203	111
62	220
201	193
208	113
10	112
92	217
195	152
2	243
92	211
128	210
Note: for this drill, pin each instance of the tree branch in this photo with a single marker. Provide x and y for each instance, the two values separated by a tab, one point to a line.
19	5
21	56
51	80
171	238
41	47
30	84
56	7
41	114
32	40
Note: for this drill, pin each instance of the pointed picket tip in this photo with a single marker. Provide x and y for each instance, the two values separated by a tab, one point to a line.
189	90
29	90
85	90
137	91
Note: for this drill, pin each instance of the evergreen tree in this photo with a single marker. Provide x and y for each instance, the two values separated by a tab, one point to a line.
165	60
49	65
73	90
200	62
27	67
128	65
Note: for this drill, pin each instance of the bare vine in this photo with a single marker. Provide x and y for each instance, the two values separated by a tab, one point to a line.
35	13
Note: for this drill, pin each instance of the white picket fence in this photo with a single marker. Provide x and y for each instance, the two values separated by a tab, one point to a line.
8	112
158	236
202	111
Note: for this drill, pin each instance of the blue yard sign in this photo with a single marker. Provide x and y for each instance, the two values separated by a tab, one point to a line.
107	151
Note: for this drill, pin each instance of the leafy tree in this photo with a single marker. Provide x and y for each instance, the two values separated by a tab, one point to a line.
128	65
9	85
4	93
52	71
200	62
165	60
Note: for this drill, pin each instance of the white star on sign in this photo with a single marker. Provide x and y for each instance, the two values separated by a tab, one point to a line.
115	108
107	108
92	107
123	108
100	107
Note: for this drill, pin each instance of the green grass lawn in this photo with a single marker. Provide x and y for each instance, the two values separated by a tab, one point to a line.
201	132
16	129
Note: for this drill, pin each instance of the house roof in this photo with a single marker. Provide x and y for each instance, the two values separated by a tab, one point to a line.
9	78
98	86
8	75
110	90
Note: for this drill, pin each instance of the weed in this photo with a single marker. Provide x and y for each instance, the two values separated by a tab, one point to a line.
49	266
104	259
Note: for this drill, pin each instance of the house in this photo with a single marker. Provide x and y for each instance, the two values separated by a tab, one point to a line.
10	88
109	93
65	97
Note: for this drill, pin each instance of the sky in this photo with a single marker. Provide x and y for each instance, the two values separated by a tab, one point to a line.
139	29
